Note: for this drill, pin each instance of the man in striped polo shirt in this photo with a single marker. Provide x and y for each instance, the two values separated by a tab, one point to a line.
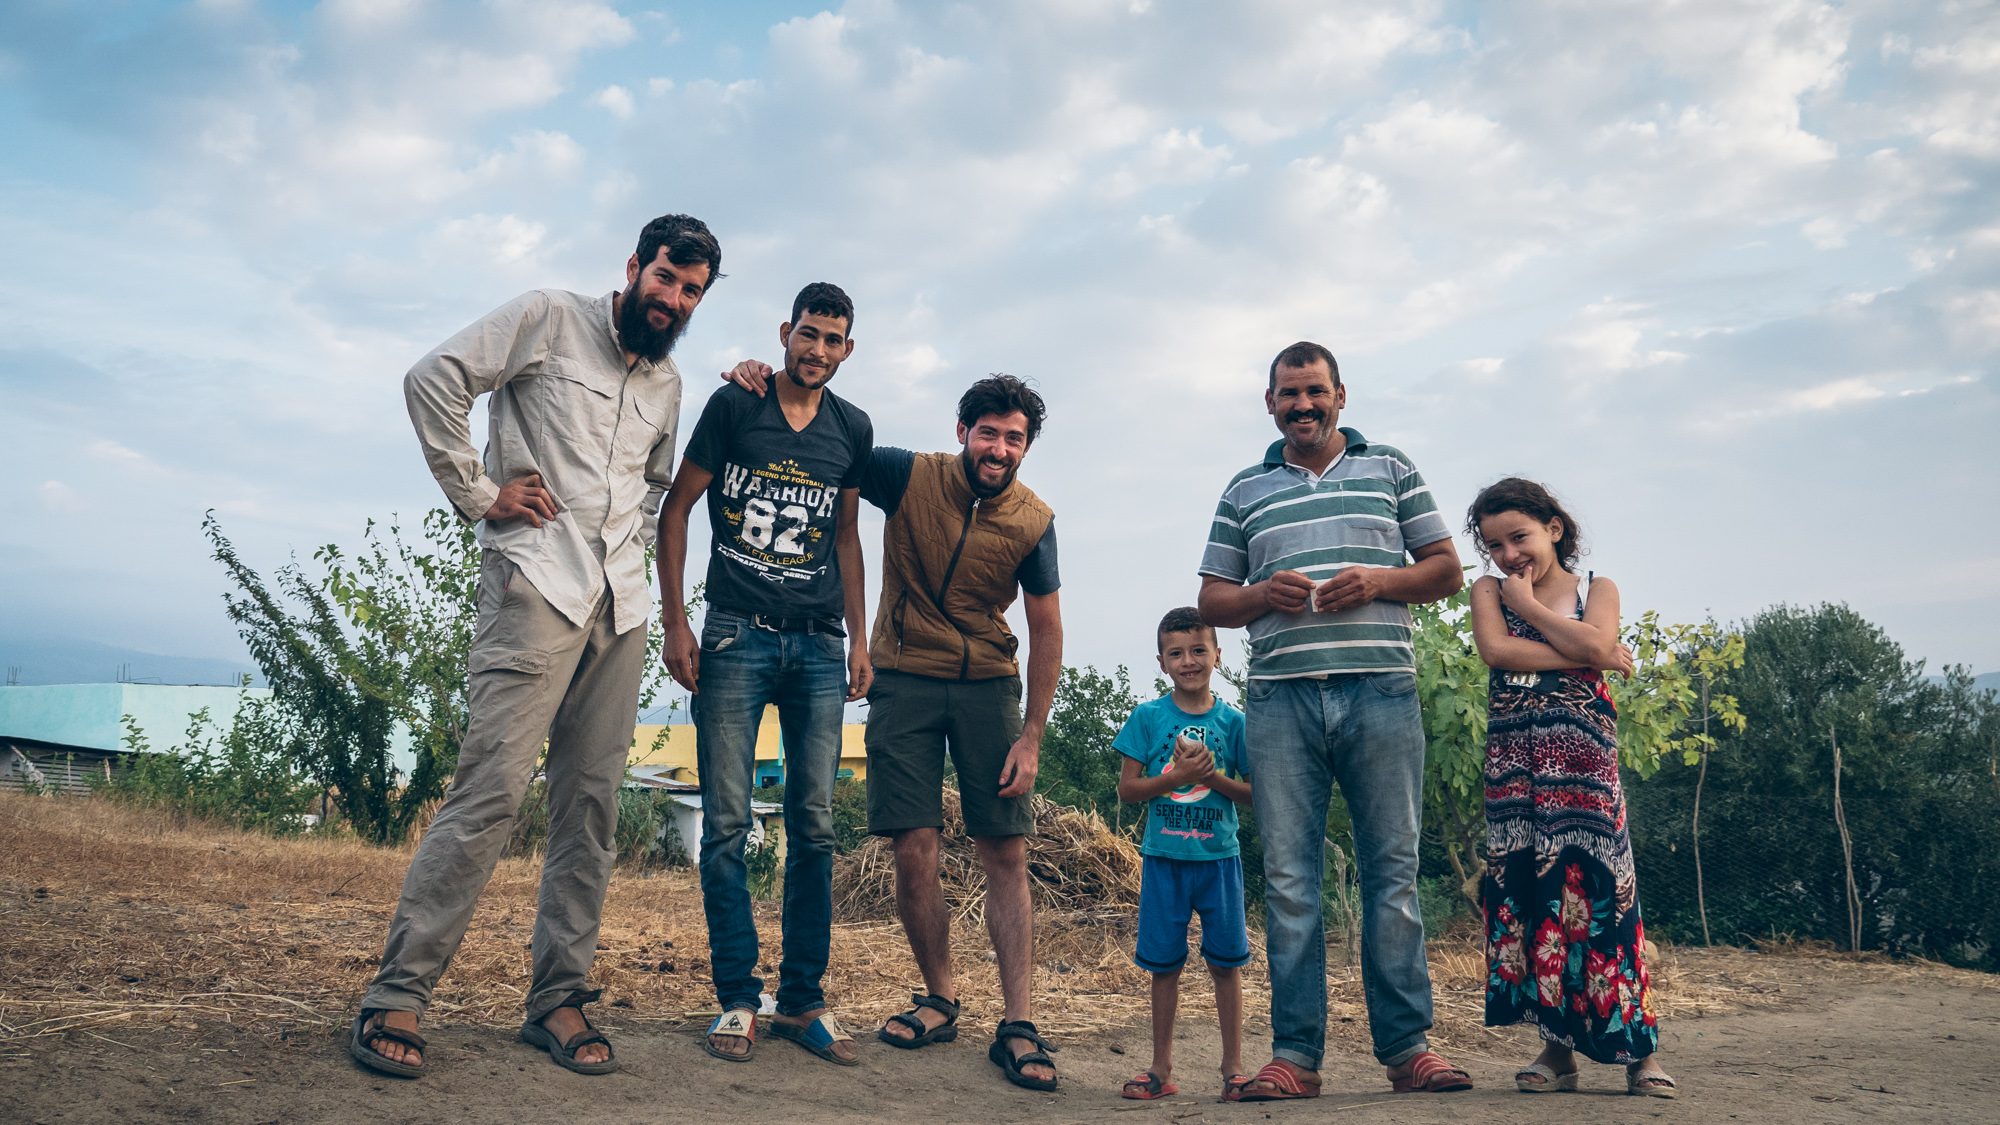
1320	550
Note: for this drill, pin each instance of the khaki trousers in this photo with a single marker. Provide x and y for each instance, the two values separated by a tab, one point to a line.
533	676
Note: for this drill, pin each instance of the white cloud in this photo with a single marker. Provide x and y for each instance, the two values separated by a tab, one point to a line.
615	100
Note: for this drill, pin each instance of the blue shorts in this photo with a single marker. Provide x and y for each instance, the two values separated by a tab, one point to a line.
1172	891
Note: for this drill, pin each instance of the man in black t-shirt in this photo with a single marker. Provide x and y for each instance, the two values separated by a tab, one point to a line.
782	474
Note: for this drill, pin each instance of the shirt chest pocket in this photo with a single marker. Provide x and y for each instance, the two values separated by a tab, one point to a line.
647	416
579	409
600	415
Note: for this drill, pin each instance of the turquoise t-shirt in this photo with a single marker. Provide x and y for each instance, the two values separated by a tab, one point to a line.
1194	821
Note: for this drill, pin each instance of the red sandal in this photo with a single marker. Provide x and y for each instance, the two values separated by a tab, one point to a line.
1147	1086
1430	1074
1286	1084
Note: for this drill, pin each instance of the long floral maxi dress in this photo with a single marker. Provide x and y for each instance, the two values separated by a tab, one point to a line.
1563	935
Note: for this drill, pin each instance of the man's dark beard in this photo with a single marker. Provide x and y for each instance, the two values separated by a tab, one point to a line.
637	335
979	488
799	379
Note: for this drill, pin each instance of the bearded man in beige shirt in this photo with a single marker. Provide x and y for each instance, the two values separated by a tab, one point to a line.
580	449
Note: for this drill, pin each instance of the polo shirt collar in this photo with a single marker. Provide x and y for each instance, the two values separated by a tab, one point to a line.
1274	457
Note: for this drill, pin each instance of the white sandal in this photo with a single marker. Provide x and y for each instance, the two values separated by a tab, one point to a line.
1642	1085
1551	1082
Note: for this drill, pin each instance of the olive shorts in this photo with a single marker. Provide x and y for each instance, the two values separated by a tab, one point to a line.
912	722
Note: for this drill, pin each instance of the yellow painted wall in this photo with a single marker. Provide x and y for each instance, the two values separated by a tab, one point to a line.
677	751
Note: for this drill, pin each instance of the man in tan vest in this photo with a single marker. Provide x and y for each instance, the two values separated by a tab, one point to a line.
963	538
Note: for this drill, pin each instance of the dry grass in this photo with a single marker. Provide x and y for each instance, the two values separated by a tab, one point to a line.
113	916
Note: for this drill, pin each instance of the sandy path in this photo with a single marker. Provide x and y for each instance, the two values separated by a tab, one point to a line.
1848	1043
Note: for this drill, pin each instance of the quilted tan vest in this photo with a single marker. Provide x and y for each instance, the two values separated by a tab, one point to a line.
949	562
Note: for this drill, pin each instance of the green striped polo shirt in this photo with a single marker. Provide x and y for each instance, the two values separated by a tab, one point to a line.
1370	508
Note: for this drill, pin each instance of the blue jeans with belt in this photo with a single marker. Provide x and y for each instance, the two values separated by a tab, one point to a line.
1365	732
743	669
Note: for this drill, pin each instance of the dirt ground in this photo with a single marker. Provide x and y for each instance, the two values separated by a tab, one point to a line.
151	971
1849	1043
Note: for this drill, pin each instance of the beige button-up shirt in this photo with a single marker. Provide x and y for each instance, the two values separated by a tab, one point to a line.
564	406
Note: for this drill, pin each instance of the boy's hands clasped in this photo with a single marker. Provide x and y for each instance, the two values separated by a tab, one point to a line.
1194	762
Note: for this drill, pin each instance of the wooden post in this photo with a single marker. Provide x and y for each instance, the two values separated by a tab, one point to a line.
1700	889
1847	851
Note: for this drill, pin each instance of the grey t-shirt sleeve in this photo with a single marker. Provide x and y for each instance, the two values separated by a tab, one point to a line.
887	477
1037	573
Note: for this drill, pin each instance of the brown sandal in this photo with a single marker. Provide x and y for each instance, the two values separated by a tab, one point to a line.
563	1051
361	1035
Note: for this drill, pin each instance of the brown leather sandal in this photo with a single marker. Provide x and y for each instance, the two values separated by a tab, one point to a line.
361	1035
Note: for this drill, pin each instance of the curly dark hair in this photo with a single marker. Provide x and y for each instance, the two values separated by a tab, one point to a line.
1185	619
687	240
1517	494
1003	395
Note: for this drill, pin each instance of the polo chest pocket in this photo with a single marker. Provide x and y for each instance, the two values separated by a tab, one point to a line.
1371	519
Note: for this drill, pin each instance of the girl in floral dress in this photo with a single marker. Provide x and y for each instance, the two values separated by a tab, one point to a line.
1563	935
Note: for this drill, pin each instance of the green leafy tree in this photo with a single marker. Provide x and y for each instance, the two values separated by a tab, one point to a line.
370	648
1655	707
1907	859
1078	767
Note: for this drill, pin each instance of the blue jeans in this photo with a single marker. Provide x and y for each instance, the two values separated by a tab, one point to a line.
743	669
1364	731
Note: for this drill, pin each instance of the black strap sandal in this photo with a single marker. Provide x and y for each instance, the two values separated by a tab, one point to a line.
1011	1064
563	1051
361	1038
922	1034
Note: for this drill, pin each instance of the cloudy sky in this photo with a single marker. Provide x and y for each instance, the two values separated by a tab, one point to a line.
1726	275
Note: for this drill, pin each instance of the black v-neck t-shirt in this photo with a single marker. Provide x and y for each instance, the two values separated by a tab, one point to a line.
774	504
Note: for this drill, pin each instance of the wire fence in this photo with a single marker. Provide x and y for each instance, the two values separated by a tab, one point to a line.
1917	875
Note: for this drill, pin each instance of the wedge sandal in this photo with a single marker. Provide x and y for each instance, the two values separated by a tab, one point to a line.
1650	1086
1550	1081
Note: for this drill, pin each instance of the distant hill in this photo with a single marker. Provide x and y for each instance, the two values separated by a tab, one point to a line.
61	660
1987	681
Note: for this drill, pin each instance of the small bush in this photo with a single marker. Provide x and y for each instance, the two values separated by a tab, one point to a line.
242	776
647	837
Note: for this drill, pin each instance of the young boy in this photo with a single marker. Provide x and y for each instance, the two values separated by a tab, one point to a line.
1184	757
